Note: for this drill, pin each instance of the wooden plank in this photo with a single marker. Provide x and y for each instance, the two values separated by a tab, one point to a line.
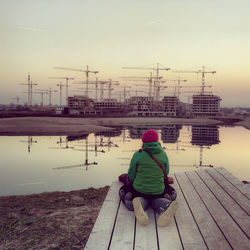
145	236
123	236
211	233
239	215
102	230
168	236
234	235
240	198
189	232
244	188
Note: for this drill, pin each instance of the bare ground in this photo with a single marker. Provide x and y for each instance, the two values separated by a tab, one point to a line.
71	126
53	220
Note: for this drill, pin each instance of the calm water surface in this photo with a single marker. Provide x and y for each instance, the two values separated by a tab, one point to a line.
41	163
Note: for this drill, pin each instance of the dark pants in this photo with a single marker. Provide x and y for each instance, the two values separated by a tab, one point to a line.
159	203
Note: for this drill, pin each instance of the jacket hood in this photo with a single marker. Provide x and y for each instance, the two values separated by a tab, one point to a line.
153	147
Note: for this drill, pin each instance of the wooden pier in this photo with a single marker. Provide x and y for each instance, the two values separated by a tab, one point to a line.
213	213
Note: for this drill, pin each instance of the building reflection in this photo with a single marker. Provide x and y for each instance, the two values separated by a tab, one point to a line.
136	131
170	133
204	137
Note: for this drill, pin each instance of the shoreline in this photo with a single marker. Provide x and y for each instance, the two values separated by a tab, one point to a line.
38	126
54	126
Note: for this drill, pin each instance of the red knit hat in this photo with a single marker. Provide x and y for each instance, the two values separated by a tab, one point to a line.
150	136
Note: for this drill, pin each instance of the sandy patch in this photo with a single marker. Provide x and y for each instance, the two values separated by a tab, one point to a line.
54	220
71	126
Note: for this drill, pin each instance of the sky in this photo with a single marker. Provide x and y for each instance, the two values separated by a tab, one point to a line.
38	35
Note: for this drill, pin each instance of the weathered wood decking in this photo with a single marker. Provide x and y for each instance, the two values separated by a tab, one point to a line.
213	213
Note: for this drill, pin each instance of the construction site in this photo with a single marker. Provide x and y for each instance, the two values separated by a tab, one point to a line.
136	96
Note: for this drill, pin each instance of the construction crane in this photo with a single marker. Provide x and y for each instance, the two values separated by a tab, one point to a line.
150	79
49	91
67	83
17	100
87	72
202	72
60	87
42	92
110	83
136	92
96	83
178	81
125	92
121	93
30	85
156	79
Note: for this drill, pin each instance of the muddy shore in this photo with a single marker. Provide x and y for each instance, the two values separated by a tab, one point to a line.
73	126
53	220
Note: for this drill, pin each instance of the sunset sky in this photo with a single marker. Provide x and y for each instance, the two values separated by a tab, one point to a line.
37	35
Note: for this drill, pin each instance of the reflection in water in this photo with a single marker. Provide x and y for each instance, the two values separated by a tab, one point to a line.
109	153
170	133
108	134
204	137
61	146
85	149
29	141
87	146
136	131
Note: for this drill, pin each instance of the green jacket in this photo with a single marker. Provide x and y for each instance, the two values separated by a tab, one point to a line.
145	173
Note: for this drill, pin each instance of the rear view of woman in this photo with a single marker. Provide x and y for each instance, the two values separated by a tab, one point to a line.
147	186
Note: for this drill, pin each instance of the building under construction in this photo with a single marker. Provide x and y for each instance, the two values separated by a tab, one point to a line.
146	106
170	105
205	105
108	106
82	105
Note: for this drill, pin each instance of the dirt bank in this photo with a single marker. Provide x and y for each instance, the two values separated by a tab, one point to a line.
54	220
71	126
245	123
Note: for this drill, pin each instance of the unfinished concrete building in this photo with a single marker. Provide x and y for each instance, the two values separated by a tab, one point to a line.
170	105
143	106
205	105
81	105
109	106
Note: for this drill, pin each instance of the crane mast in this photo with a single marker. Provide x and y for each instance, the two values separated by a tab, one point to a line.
157	78
87	72
200	71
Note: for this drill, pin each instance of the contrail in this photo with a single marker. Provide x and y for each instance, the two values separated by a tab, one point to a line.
29	28
155	21
32	183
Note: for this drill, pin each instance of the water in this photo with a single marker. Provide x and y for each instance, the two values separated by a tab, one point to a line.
42	163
